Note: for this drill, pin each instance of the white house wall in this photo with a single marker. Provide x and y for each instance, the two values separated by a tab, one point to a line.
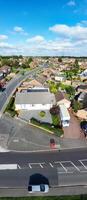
33	107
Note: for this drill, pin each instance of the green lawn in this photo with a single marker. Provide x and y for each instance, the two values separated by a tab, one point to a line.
47	198
11	107
57	131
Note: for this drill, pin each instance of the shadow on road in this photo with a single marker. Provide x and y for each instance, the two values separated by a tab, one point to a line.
37	179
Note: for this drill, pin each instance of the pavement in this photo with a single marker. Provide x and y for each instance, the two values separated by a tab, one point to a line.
17	135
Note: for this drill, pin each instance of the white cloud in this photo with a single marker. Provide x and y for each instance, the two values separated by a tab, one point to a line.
70	40
3	37
18	29
71	3
37	39
75	32
50	47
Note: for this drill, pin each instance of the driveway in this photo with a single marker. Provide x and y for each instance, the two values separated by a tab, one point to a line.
73	131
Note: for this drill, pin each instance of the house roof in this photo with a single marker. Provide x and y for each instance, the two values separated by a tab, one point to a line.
82	114
82	87
42	79
35	98
60	96
34	82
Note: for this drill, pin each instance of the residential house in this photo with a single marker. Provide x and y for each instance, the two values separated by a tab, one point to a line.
84	73
42	79
48	73
5	69
29	84
1	75
60	78
81	88
82	97
82	114
34	101
61	98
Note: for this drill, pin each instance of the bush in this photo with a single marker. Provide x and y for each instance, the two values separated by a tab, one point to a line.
55	120
42	114
11	107
76	105
53	87
54	110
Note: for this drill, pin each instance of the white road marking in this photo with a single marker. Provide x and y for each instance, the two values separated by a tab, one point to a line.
18	166
51	165
41	165
8	166
74	165
30	166
61	166
81	161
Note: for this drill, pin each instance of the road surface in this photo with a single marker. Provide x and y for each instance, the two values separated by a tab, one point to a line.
58	169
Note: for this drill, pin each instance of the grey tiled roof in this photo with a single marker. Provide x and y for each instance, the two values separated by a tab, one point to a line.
35	98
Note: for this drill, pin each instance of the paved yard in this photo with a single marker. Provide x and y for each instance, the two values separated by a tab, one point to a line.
73	131
27	115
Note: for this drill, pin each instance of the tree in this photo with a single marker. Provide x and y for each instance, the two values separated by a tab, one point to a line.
53	87
29	60
76	64
20	56
42	114
5	61
54	110
70	90
56	120
76	105
69	75
60	59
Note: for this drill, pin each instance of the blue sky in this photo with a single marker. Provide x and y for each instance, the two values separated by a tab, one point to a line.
49	27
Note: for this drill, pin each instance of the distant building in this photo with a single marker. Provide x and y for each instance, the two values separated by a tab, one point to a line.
84	73
82	88
29	84
1	75
5	69
60	78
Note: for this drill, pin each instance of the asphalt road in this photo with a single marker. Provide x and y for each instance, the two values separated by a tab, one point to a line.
56	168
10	88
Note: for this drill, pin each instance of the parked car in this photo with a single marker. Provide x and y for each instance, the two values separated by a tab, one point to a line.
84	127
42	188
52	143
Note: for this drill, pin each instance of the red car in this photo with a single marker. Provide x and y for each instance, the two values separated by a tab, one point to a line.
52	143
